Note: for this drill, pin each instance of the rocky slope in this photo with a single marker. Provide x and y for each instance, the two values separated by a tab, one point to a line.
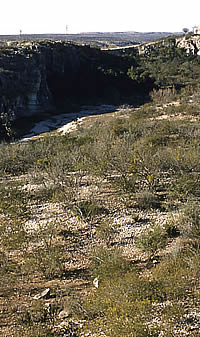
190	43
46	271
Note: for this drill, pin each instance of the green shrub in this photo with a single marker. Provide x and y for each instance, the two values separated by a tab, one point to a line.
46	254
13	200
172	229
13	235
88	209
108	264
123	306
18	158
152	239
48	261
190	223
175	277
106	232
163	94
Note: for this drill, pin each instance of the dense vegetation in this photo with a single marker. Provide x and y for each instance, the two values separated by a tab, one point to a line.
116	200
171	66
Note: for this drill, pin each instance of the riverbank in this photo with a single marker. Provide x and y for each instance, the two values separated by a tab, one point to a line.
66	122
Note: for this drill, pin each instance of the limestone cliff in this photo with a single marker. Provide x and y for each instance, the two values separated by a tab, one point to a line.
27	72
47	75
190	43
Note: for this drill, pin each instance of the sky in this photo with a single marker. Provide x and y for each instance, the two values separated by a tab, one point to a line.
52	16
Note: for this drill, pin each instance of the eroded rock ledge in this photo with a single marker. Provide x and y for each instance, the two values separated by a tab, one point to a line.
190	43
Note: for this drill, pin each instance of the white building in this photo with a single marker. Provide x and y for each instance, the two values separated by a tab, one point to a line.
197	30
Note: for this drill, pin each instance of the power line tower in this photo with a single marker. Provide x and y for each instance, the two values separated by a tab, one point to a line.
66	30
20	34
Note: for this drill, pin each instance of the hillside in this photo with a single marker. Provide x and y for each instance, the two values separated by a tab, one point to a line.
100	222
116	199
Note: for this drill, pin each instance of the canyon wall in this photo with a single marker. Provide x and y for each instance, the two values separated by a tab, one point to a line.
27	74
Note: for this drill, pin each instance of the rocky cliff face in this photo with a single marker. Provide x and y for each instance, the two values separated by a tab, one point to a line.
27	72
42	76
190	43
51	75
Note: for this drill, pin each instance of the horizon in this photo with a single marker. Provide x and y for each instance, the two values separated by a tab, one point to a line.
92	32
42	17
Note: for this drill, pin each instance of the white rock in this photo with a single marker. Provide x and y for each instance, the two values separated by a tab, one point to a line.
64	314
44	294
96	282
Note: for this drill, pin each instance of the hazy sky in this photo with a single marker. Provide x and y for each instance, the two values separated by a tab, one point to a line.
52	16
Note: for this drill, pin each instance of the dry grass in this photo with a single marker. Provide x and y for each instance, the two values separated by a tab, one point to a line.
72	208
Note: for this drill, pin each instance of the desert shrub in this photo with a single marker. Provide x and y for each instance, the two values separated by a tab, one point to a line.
54	172
89	209
13	200
49	262
8	267
174	275
163	94
13	207
191	258
46	253
35	331
152	239
59	174
18	158
172	228
37	314
190	223
187	156
130	305
107	264
3	260
140	116
56	153
106	232
110	157
123	306
166	160
143	165
119	127
185	186
147	200
180	166
13	235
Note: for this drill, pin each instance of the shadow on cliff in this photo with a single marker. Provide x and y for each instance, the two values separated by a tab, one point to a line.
49	78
